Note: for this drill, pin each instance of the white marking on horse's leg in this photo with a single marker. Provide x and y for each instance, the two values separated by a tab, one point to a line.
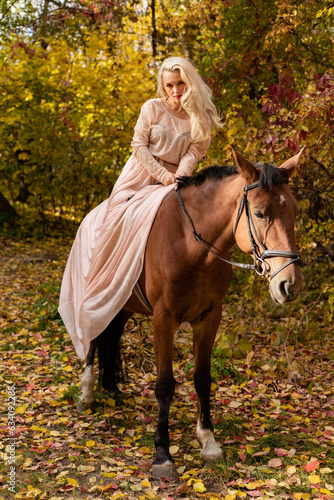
211	450
87	385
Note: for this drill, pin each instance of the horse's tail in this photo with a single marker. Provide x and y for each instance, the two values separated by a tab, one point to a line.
109	354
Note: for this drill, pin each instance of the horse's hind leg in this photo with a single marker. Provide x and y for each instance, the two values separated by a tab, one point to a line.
108	351
204	335
86	398
108	343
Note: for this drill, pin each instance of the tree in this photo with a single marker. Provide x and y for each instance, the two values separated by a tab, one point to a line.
5	207
68	115
270	65
74	75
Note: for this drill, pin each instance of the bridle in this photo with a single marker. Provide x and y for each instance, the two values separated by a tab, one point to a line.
260	265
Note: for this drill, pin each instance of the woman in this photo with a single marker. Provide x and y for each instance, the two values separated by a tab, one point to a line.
171	135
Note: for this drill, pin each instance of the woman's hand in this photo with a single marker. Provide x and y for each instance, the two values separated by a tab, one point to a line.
168	179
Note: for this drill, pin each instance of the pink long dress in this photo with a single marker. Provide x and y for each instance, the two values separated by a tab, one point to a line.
107	255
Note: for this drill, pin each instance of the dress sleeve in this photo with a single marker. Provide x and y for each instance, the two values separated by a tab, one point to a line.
140	143
194	153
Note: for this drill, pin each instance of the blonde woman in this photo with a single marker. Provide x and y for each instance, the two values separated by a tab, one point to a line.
172	134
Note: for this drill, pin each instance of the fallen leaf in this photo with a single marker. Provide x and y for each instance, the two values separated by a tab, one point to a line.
194	444
261	453
85	468
254	484
310	467
314	479
326	470
275	462
255	493
291	470
199	487
73	482
234	404
325	491
280	452
20	409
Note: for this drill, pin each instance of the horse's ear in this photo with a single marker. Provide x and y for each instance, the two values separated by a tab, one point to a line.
290	165
245	167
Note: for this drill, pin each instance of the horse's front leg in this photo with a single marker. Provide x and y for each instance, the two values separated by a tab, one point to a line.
86	398
163	465
204	332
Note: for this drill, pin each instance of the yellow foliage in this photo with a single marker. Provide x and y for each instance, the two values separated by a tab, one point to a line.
74	482
90	444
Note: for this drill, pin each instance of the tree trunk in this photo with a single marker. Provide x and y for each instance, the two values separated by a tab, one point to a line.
154	29
5	207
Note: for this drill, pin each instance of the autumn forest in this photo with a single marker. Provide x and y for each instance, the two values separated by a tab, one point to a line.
73	77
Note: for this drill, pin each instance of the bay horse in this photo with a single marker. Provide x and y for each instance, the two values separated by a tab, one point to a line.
187	273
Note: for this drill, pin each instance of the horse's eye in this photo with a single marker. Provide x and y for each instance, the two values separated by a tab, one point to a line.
259	215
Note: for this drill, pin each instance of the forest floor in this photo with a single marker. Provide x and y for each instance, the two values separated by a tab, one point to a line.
272	398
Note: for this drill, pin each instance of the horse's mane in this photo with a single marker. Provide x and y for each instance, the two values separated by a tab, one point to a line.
270	175
214	173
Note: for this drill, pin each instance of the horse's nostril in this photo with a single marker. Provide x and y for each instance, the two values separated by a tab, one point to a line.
284	288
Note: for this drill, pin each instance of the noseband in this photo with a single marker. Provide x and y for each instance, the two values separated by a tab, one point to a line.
260	265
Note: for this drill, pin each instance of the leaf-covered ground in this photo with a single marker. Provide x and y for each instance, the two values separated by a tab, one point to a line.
272	397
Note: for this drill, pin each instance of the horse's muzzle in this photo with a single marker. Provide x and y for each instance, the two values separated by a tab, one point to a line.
284	289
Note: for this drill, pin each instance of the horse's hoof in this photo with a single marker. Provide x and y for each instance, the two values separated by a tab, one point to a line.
211	451
166	470
81	406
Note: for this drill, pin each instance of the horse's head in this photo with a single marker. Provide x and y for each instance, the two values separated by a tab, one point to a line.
265	224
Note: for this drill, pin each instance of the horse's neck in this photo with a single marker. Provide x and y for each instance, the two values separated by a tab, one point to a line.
212	208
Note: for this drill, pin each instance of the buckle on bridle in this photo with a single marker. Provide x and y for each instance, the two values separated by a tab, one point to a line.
261	267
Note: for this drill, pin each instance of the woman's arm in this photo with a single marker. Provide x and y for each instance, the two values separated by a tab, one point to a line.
140	149
194	153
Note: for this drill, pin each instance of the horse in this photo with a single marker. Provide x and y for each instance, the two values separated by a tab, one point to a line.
187	273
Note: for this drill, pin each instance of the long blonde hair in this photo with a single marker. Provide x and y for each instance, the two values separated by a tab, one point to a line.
196	100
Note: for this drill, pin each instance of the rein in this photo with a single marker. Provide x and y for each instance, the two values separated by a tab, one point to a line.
261	267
